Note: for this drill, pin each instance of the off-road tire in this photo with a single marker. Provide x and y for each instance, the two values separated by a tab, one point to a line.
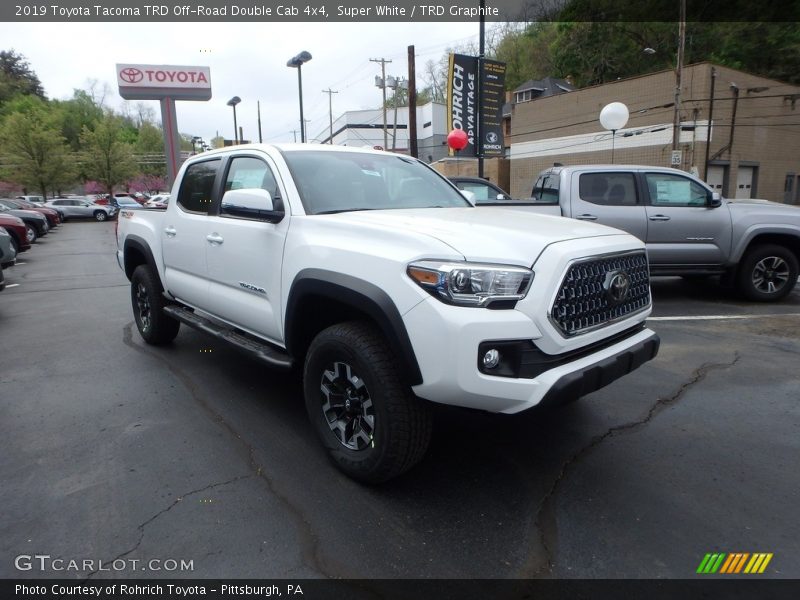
155	326
402	423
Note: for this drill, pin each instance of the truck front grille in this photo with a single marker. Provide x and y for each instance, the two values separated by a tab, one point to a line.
598	291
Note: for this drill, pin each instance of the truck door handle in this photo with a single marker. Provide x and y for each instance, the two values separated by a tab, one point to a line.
659	218
215	238
170	231
587	217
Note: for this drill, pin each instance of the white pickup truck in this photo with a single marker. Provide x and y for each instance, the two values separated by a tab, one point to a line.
379	279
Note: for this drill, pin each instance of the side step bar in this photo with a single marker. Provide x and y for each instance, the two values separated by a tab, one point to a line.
269	354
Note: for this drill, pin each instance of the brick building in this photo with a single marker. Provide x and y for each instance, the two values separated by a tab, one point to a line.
754	148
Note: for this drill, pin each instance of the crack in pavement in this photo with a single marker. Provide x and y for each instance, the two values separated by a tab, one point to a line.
309	542
544	521
175	503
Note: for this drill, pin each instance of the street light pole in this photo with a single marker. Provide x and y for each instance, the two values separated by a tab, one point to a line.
232	103
296	62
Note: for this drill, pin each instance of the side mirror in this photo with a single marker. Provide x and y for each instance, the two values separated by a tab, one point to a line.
470	196
715	200
253	203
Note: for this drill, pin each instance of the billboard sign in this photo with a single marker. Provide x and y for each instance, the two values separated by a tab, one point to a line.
462	98
480	118
154	82
493	81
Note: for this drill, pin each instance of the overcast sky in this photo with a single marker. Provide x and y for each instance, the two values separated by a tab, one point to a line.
246	60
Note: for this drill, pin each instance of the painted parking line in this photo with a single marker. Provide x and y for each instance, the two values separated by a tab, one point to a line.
10	285
721	317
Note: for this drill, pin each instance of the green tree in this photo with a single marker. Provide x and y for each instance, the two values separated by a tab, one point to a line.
149	149
108	158
76	113
36	155
17	77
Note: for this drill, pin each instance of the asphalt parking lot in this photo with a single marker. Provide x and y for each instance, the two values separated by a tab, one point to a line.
116	450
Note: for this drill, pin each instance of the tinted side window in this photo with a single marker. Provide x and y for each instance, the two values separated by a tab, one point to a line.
674	190
197	186
608	189
546	188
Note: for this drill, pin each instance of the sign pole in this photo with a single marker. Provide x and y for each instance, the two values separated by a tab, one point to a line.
481	55
172	144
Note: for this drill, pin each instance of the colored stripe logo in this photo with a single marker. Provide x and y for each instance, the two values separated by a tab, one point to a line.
734	563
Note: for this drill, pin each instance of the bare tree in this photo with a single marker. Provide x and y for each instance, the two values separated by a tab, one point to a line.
98	91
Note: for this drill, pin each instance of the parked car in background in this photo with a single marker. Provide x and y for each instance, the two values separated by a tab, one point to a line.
31	199
101	199
35	223
82	208
484	190
158	201
127	202
7	251
52	216
17	229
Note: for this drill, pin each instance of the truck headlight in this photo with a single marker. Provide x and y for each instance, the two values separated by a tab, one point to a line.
471	284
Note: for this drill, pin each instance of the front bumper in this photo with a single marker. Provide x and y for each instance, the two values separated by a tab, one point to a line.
446	342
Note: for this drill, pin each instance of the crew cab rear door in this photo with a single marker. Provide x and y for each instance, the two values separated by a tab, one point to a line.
245	253
608	197
184	230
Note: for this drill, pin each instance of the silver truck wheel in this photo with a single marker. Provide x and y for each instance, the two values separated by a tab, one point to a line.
768	273
367	418
100	215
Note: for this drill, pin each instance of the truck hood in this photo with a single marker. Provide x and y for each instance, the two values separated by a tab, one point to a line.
497	235
771	210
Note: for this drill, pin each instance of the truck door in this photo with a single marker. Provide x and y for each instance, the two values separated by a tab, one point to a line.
183	233
245	254
609	198
682	228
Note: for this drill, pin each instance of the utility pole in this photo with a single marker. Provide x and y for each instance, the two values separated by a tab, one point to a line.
330	93
676	119
294	132
412	104
383	62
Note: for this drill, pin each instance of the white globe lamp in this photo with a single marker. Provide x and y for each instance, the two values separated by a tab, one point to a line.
614	116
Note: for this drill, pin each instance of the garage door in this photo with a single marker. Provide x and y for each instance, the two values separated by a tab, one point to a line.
744	182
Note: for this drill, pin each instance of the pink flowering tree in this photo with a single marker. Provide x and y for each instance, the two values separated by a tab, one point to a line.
149	184
8	189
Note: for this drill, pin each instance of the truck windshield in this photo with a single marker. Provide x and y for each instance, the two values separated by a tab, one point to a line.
331	182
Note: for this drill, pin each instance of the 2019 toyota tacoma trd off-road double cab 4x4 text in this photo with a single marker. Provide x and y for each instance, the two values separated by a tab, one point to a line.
389	288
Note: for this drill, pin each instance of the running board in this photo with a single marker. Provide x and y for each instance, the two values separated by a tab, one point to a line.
265	352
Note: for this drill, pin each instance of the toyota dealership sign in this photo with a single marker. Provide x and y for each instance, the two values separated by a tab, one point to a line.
153	82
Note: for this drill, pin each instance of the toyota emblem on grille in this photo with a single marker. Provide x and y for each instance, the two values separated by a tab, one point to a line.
131	75
617	286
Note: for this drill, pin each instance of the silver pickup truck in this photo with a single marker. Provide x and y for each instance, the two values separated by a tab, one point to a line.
688	228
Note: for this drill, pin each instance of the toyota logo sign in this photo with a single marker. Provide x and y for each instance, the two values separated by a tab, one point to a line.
131	75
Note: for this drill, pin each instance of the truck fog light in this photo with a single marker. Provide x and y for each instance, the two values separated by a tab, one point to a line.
491	359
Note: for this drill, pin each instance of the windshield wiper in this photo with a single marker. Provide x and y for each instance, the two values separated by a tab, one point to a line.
341	210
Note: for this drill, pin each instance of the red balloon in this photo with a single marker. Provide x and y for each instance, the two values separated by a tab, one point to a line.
457	139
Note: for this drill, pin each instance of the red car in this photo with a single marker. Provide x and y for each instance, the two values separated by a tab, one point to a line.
17	230
52	216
